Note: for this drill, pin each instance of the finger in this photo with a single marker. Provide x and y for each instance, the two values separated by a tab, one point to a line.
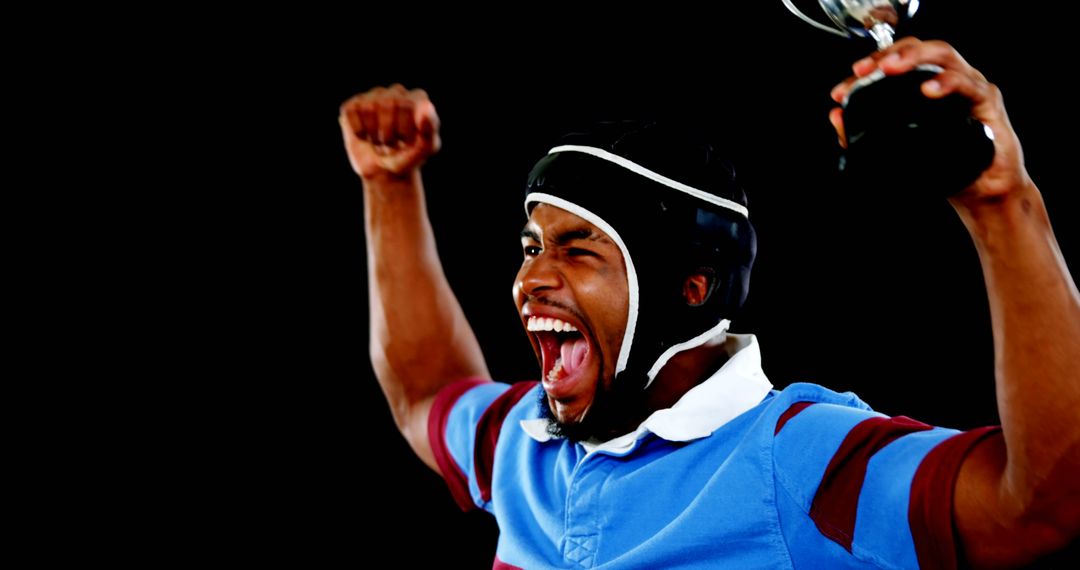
348	125
427	123
347	128
841	91
905	55
869	64
864	66
836	117
948	82
349	119
405	124
366	112
386	111
350	110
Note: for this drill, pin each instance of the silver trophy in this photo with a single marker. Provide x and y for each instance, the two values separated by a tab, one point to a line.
876	19
896	136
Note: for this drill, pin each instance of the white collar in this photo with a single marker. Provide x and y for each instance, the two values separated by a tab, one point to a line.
737	386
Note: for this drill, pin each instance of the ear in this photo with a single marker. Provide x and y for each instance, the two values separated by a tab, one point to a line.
696	289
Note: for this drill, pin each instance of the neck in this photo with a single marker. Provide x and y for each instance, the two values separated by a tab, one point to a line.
686	370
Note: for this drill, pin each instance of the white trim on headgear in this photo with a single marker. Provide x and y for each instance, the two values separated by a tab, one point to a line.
631	273
695	342
655	177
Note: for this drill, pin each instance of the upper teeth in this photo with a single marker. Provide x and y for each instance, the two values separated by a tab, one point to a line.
549	324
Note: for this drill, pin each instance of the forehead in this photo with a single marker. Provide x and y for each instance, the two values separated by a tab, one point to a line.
551	219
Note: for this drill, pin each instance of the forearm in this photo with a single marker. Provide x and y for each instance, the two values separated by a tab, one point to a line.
1035	313
420	339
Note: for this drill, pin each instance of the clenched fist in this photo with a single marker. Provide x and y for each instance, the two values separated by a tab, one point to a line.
389	131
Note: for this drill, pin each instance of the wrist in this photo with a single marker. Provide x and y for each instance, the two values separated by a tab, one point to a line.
385	184
1016	210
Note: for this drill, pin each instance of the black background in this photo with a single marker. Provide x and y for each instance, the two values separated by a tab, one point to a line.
879	294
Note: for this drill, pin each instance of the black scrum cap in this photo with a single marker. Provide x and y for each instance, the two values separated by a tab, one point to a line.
673	207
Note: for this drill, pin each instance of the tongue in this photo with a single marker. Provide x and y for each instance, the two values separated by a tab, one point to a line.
574	351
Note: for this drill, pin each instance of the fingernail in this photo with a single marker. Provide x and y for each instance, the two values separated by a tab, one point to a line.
891	59
933	86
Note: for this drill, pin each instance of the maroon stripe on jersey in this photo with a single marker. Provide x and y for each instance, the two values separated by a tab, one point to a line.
931	504
500	565
437	418
790	413
487	434
837	498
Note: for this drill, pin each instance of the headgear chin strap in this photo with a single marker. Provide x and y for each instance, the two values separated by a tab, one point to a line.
674	209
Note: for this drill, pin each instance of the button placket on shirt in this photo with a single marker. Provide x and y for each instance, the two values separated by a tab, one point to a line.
581	539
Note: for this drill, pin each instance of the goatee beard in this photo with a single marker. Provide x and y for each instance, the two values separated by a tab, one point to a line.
613	411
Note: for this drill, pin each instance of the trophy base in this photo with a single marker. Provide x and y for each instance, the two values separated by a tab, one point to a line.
898	139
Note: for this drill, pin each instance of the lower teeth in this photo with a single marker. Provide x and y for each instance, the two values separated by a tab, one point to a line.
553	376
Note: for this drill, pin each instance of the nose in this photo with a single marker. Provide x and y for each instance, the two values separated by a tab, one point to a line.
539	275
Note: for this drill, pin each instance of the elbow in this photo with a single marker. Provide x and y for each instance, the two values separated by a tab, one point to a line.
1023	541
1052	509
1052	527
1047	520
1040	538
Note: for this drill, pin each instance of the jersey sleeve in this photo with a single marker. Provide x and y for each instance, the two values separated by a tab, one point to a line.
463	431
870	487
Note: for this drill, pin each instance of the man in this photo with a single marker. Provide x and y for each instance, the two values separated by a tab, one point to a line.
658	442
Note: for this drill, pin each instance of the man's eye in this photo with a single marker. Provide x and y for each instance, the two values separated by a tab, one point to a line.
574	251
531	250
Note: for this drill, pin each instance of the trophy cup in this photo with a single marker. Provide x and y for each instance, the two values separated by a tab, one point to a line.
898	138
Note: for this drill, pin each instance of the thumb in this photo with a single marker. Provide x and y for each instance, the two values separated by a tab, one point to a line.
427	124
836	117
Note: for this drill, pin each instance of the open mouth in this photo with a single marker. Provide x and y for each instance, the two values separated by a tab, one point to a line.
566	355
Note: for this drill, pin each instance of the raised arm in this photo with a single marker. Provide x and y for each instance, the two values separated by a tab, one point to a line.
1018	494
420	340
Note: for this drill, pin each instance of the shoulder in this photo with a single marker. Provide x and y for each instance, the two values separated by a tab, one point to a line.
812	424
809	424
828	406
464	428
851	471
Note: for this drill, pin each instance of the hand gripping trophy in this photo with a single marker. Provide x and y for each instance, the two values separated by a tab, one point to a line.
896	136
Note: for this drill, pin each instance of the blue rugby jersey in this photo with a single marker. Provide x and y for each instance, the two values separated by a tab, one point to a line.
734	475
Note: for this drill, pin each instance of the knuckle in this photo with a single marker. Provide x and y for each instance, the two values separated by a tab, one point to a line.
385	106
945	49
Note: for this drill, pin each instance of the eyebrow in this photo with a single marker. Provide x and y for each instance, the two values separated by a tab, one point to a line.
528	233
569	236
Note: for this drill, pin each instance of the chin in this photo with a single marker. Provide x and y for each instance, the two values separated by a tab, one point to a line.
567	420
601	415
569	414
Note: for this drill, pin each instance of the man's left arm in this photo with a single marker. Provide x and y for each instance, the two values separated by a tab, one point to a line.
1017	494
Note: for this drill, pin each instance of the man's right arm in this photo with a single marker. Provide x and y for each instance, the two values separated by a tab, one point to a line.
420	339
